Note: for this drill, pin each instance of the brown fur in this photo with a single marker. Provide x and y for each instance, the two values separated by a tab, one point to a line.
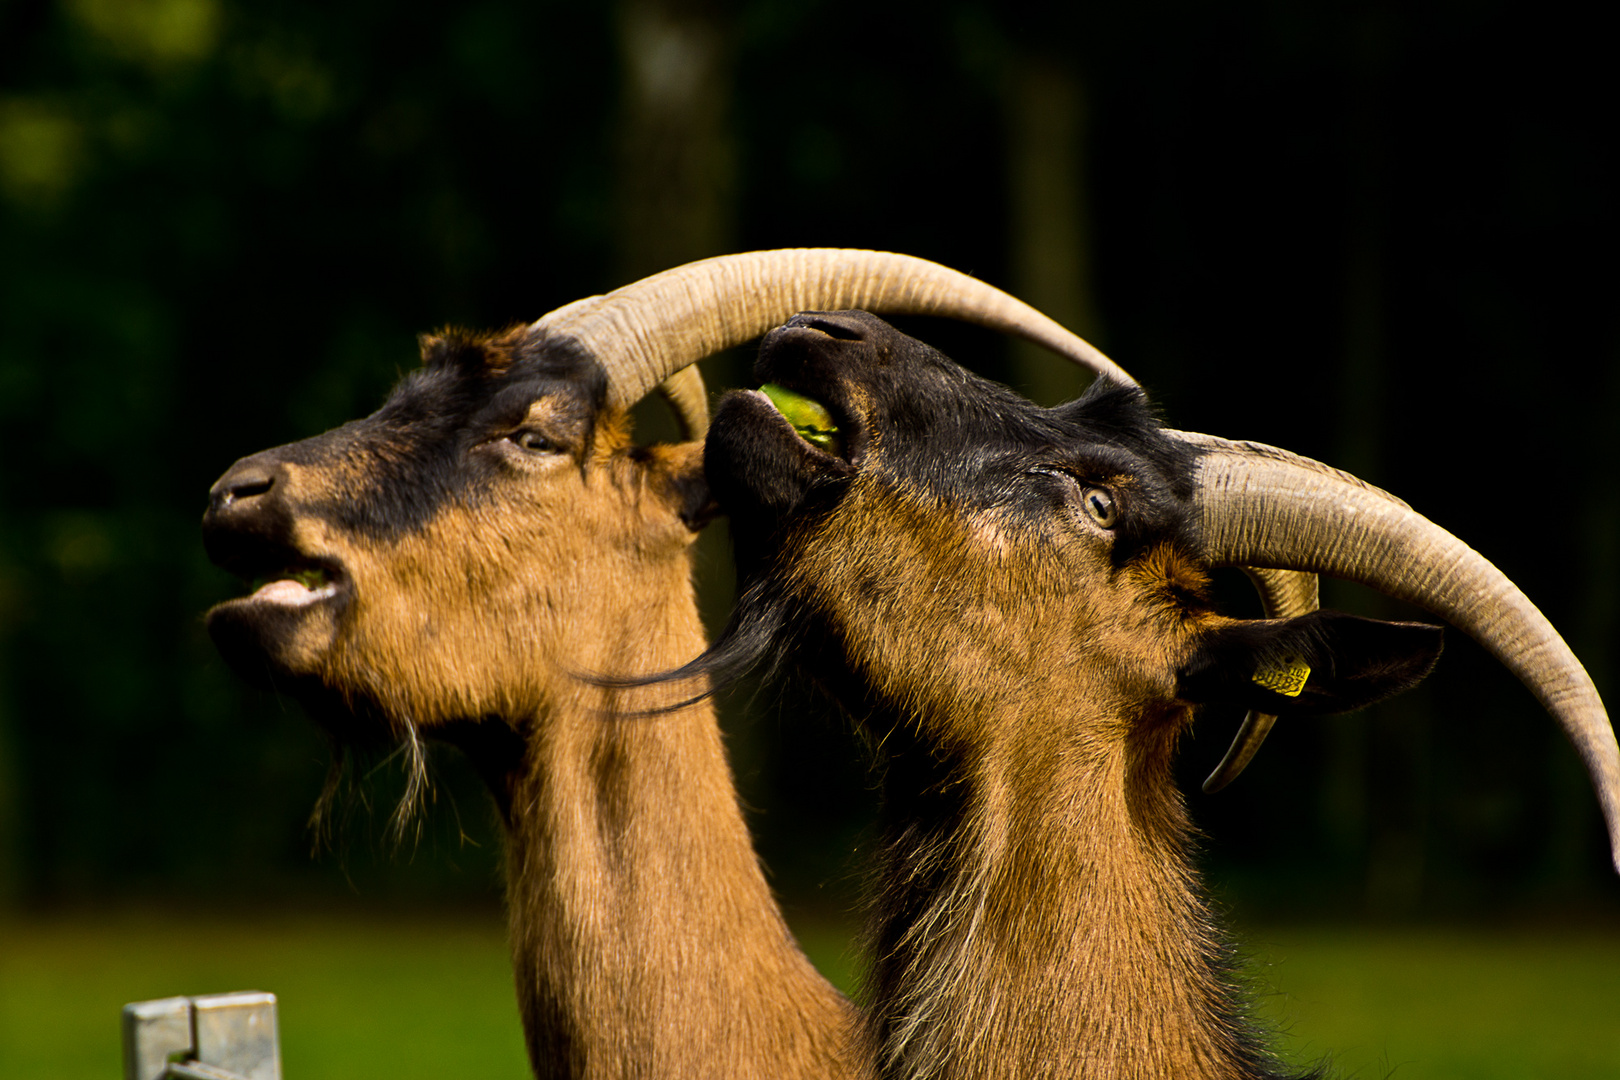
1018	665
645	940
1010	599
1064	935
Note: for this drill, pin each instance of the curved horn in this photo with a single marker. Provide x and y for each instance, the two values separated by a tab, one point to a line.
1261	506
1285	594
647	330
687	395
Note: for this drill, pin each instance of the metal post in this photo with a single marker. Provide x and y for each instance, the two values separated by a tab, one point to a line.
208	1037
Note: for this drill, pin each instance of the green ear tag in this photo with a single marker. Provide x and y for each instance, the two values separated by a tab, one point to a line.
1287	679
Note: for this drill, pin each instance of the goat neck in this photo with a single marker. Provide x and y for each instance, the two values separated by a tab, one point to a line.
645	939
1037	911
1026	935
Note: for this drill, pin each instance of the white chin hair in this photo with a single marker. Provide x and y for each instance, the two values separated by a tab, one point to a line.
291	593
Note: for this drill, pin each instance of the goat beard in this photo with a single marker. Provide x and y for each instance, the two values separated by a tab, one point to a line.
361	742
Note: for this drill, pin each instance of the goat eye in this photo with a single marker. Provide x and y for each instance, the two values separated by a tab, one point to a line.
533	440
1099	504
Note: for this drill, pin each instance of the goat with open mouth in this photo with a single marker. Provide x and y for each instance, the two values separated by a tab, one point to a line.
1014	601
448	566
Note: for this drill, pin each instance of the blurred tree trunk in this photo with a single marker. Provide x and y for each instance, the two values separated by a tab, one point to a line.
676	187
1050	234
676	164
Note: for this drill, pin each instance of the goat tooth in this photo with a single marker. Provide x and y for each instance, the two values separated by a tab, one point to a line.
289	592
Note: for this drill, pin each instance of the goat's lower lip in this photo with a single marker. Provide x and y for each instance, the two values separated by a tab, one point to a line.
279	631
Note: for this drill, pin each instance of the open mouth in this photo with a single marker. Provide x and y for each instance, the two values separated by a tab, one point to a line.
811	420
810	352
293	586
287	622
254	545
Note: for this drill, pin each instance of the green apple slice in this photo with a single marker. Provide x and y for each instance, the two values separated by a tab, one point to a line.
809	418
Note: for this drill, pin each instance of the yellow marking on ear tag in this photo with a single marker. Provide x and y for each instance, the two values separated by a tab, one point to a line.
1287	680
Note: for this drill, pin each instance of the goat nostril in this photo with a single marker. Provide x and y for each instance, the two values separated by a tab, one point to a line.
235	489
832	326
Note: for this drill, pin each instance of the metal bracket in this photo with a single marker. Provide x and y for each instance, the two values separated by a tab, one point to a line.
209	1037
193	1070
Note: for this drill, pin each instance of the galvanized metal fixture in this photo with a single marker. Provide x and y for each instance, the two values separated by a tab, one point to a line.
210	1037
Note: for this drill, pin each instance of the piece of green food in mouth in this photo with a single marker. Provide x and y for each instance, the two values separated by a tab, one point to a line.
809	418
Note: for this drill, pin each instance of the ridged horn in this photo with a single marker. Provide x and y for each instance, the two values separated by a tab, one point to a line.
1285	594
648	330
687	395
1260	506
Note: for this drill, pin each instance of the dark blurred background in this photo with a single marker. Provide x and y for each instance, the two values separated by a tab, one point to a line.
1380	235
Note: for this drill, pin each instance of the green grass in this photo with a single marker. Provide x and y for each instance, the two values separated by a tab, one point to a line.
402	998
1470	1004
357	998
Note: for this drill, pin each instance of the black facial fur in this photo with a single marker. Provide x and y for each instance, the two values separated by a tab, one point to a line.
392	472
920	421
944	431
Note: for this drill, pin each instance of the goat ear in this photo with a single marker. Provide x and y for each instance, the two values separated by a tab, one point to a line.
681	469
1324	662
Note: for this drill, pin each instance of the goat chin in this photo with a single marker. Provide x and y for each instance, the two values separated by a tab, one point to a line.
268	640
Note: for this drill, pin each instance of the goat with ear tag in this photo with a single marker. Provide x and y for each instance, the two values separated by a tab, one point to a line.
1014	602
